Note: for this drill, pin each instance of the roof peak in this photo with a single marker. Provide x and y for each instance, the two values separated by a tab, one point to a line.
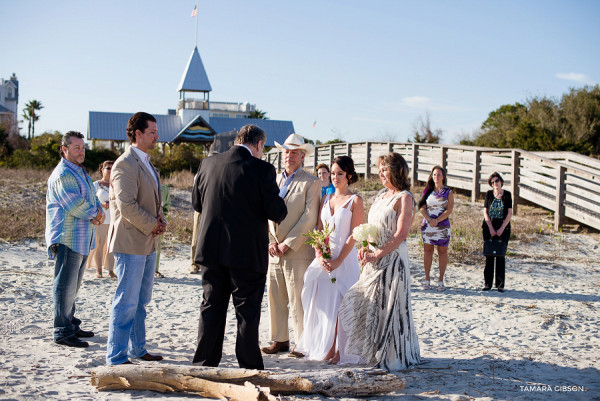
194	77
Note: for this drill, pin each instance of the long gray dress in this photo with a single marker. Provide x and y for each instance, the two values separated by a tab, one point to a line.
376	311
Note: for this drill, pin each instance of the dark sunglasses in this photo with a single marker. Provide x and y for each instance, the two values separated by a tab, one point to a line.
495	181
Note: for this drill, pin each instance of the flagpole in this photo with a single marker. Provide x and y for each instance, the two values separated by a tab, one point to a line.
196	23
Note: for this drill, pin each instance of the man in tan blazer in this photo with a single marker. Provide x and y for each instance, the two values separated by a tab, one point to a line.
289	256
137	221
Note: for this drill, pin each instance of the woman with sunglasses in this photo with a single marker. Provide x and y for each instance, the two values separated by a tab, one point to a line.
100	257
497	211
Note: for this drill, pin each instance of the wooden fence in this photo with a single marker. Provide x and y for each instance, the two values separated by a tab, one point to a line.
566	183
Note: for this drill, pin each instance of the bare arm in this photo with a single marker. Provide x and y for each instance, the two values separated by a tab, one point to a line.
358	212
405	211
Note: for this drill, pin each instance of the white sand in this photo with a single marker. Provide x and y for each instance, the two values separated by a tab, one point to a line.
542	332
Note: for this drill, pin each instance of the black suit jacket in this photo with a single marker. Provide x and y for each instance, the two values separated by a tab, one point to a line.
236	195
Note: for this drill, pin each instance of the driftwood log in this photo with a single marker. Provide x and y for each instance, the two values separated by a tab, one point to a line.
241	384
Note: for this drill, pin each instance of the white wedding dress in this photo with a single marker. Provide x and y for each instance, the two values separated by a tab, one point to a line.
321	297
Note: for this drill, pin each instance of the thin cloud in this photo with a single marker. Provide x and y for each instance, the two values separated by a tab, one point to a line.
373	120
424	103
574	76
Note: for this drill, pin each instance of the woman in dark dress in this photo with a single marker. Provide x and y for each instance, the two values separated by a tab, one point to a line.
497	211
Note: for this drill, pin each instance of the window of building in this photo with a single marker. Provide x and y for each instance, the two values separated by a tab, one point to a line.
220	115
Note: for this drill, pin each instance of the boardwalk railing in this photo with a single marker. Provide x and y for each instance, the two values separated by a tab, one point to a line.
566	183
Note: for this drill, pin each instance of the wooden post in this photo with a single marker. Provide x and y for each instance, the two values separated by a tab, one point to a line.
559	207
415	163
316	158
390	147
444	158
330	154
279	161
476	173
348	149
368	162
514	187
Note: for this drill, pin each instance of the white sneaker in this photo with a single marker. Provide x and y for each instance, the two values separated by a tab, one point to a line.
426	284
441	287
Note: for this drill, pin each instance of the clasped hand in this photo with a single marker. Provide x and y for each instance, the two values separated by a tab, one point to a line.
278	249
366	256
161	226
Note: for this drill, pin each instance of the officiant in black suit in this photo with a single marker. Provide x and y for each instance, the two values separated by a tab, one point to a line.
236	194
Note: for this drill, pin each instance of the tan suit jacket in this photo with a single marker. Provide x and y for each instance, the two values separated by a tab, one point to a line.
135	203
302	201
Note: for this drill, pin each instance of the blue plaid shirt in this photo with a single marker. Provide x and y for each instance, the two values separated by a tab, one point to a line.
71	203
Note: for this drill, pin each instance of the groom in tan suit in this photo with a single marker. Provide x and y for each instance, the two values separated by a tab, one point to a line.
289	256
137	221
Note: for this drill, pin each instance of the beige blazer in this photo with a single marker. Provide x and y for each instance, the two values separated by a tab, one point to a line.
135	203
302	201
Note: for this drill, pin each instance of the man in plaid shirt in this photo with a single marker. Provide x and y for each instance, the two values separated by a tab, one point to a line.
72	209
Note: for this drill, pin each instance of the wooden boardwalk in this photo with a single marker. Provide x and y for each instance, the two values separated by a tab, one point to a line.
566	183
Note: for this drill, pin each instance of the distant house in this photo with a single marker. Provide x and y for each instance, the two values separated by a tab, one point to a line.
196	119
9	101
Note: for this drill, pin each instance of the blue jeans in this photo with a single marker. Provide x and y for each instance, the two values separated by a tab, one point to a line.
68	275
127	328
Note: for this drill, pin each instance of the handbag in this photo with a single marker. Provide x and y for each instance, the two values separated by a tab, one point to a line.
494	248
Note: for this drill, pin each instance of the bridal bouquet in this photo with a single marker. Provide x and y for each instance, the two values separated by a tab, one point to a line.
319	239
365	234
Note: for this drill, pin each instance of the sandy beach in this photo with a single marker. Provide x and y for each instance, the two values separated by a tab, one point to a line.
537	340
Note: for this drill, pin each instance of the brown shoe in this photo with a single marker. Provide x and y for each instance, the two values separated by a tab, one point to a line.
277	346
149	357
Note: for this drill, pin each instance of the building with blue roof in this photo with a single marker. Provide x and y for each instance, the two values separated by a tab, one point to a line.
9	103
196	119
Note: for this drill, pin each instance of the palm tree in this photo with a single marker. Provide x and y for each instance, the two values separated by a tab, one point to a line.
27	117
261	115
31	108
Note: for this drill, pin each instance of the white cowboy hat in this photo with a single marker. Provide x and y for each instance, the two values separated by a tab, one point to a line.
295	141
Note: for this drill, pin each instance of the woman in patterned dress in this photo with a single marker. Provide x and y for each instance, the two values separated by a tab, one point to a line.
435	206
497	212
376	312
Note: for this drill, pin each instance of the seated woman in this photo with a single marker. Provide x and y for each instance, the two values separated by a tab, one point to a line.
327	280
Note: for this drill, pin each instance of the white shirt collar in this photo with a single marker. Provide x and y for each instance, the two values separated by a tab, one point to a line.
143	155
244	146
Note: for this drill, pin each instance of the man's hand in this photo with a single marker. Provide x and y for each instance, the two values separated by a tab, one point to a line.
283	248
273	250
161	226
99	219
105	205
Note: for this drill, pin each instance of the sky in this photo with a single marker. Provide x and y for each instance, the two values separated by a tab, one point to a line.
360	70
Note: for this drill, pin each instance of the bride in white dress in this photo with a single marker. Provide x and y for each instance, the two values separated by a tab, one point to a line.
326	281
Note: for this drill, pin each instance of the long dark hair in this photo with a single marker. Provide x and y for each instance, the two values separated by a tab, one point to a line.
347	165
430	186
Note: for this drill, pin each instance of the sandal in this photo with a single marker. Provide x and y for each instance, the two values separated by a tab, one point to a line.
98	275
112	275
426	284
441	287
158	274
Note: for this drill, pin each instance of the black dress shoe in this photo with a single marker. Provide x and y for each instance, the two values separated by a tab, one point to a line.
72	341
149	357
500	289
486	288
84	333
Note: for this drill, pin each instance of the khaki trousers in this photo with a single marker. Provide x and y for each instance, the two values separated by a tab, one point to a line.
99	257
284	286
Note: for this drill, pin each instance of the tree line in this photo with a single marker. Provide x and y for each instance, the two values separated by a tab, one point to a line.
571	123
